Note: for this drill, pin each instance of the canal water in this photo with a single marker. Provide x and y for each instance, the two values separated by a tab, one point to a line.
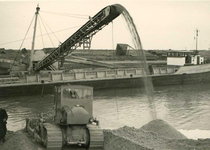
185	107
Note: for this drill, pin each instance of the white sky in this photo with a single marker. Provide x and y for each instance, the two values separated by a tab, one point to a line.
160	24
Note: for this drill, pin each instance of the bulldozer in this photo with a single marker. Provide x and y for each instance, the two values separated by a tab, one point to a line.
72	124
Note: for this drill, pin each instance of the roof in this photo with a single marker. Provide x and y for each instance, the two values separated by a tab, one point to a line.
2	51
76	87
181	51
122	46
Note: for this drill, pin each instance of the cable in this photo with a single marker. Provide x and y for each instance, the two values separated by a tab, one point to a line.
41	32
40	35
22	42
47	32
50	29
68	15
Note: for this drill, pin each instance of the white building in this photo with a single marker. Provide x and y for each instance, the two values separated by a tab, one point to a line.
181	58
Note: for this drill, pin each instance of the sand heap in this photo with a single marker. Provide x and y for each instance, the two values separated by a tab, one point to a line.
157	135
153	135
163	129
19	140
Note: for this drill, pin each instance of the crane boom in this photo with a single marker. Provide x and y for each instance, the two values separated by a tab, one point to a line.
95	24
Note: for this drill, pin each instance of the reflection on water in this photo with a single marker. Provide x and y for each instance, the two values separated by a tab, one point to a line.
188	107
184	107
19	108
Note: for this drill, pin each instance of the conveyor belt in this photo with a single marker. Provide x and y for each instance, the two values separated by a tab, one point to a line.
95	24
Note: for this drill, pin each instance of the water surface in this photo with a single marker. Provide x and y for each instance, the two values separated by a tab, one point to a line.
185	107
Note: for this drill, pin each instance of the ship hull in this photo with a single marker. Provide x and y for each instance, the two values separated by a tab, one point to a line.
4	71
131	82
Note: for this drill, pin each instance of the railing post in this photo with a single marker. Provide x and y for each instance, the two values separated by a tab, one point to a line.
37	76
85	75
160	70
75	75
52	77
62	77
116	72
26	79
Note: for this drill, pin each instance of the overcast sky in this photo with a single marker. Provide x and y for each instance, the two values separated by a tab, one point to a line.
160	24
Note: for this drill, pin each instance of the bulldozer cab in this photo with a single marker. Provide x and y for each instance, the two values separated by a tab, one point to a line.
76	101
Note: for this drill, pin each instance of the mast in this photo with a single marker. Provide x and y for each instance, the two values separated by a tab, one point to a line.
196	50
33	41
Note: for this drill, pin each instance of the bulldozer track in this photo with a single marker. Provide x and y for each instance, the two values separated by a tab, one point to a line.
54	139
96	137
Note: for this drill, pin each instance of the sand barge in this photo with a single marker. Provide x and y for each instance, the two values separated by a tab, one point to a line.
157	135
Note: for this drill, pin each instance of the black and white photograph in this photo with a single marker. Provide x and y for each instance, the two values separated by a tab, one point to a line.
105	75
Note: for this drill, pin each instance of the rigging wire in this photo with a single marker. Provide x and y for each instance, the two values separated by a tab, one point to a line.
22	42
49	28
68	15
47	32
65	13
41	32
40	35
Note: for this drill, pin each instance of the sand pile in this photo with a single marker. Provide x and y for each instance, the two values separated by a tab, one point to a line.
156	135
19	141
114	141
163	129
127	136
131	138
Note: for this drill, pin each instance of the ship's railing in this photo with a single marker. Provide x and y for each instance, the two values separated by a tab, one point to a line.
164	70
83	75
53	76
5	63
10	80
